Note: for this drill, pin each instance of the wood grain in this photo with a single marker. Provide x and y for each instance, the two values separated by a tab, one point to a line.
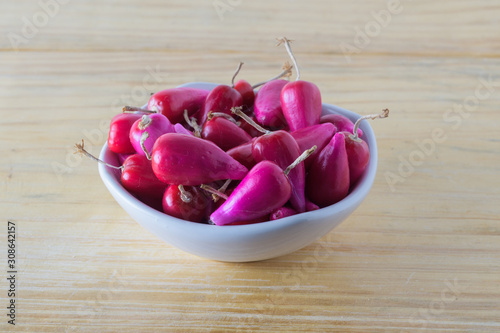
422	253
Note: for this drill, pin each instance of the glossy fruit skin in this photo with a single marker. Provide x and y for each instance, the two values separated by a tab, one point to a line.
341	122
264	189
138	177
182	130
267	106
243	154
188	160
301	104
328	178
282	212
224	133
281	148
172	102
119	130
316	135
247	93
194	211
221	99
358	155
159	125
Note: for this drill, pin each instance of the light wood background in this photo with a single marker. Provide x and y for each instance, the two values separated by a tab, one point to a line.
422	253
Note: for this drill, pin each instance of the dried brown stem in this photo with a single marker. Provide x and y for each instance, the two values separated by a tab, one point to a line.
80	148
144	137
131	109
192	122
237	111
286	41
300	159
236	73
211	190
383	114
185	195
287	72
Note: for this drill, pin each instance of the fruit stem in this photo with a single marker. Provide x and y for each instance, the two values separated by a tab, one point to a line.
237	111
287	71
192	122
210	189
236	73
132	109
145	122
300	159
212	115
354	135
80	148
144	137
185	195
222	189
286	41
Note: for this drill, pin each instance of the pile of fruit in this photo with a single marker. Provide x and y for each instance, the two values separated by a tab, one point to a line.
232	156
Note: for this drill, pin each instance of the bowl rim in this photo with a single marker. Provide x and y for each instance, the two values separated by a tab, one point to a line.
111	180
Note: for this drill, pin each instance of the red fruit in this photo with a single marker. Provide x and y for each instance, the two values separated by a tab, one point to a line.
281	148
188	160
118	139
301	104
328	178
247	93
138	177
188	204
243	154
172	102
358	155
224	133
221	99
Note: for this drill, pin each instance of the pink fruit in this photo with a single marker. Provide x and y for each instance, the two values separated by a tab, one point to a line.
301	104
155	125
181	129
328	178
282	212
264	189
316	135
188	160
267	106
281	148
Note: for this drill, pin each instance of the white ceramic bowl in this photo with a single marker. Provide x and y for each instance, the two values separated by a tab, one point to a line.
244	242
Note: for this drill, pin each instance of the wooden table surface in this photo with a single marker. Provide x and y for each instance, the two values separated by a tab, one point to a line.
422	253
